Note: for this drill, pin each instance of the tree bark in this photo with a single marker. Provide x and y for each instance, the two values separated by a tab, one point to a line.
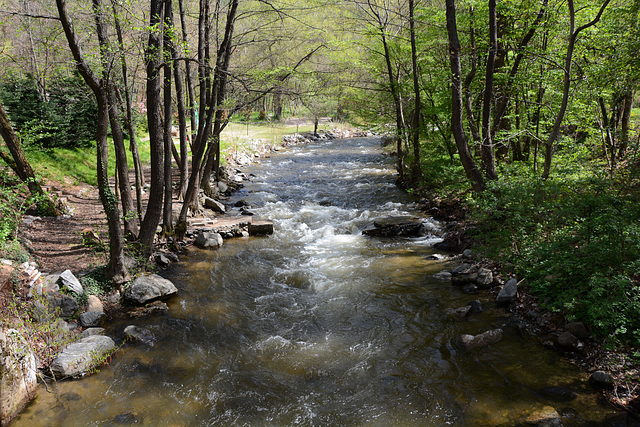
488	158
457	127
573	35
417	171
167	210
122	169
154	60
129	122
21	166
117	270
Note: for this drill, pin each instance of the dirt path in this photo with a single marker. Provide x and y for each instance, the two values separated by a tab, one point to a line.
56	243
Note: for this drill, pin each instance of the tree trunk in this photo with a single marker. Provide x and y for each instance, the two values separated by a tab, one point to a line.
22	168
573	35
167	210
154	60
122	169
417	171
457	128
117	270
488	158
129	123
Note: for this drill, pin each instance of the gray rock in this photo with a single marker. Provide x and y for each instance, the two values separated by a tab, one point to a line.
64	305
69	281
140	334
458	313
209	240
475	306
546	416
18	382
442	275
436	257
148	288
79	357
470	342
94	303
91	319
460	269
260	228
214	205
92	331
161	260
577	329
601	379
223	187
467	253
508	292
485	278
394	226
567	341
50	283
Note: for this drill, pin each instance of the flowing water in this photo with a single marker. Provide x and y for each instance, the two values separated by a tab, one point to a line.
318	325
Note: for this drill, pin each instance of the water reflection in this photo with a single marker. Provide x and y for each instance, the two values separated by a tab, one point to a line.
318	324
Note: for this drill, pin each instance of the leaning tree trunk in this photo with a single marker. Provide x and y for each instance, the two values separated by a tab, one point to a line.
117	270
20	165
129	122
457	127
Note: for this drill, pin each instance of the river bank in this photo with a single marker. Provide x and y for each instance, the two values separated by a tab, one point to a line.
621	384
300	281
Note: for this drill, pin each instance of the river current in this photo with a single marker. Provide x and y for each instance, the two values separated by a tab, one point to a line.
318	325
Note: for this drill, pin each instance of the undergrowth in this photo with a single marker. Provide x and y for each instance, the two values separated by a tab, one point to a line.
575	238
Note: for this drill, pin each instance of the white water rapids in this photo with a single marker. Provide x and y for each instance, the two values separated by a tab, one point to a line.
318	325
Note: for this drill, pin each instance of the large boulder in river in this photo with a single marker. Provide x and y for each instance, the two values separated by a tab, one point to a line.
214	205
394	227
18	382
81	356
148	288
209	240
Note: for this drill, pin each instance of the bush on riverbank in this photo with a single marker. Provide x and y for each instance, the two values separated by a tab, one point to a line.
575	237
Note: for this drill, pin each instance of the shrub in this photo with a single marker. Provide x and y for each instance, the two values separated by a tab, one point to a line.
65	116
576	240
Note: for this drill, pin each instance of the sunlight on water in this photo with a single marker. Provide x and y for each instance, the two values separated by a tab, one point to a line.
318	325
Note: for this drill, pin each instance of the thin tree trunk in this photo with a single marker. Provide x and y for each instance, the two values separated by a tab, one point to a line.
189	78
167	210
122	169
117	270
488	158
417	171
457	128
129	122
154	60
573	35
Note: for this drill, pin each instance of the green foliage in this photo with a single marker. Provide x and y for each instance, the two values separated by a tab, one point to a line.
39	325
96	282
64	116
12	206
577	241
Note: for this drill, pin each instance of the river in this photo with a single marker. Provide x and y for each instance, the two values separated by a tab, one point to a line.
318	325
